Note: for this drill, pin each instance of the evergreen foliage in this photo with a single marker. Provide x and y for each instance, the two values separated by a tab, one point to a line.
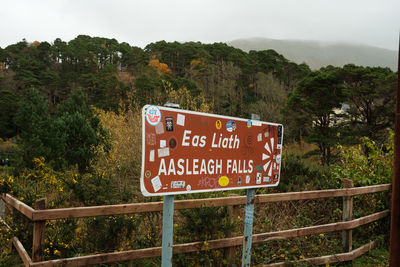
71	136
73	108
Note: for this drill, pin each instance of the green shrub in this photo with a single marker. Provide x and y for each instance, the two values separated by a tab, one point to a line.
297	176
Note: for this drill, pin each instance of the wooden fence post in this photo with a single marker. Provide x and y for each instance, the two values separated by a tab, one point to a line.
233	213
38	233
2	208
347	235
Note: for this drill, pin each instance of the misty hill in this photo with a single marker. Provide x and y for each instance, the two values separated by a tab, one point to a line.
318	54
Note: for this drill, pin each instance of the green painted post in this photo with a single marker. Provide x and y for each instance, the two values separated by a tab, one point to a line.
248	227
168	231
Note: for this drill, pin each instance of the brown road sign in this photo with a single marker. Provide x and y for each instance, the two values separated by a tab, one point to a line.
189	152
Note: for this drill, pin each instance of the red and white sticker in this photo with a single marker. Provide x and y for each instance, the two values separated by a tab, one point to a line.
153	115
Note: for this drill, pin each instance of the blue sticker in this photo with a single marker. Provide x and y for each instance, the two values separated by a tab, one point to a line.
231	126
248	123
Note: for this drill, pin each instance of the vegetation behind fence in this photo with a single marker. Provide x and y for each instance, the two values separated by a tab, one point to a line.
40	215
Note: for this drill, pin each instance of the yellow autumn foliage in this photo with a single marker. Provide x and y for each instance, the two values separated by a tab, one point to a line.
160	67
123	160
35	43
185	99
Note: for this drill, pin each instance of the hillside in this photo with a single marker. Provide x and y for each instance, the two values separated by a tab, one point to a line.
71	132
318	54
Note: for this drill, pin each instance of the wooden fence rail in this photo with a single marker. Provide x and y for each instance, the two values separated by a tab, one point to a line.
81	212
39	216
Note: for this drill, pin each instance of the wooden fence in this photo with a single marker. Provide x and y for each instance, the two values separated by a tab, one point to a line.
40	215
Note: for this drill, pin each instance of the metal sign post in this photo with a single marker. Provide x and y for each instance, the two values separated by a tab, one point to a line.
168	231
248	227
191	152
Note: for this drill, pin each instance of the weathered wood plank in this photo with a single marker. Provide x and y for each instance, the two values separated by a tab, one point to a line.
2	208
325	228
233	214
347	235
18	205
316	194
80	212
211	244
102	258
21	251
38	233
348	256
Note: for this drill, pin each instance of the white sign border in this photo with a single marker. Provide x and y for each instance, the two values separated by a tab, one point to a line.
147	194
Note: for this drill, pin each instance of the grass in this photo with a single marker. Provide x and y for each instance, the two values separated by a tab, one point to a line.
377	257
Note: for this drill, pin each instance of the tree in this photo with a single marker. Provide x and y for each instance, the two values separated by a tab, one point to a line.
160	67
84	135
36	130
271	96
72	136
370	93
316	96
8	108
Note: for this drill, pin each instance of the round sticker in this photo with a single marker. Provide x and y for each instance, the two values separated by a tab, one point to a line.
231	126
249	124
218	124
153	115
223	181
147	174
172	143
188	187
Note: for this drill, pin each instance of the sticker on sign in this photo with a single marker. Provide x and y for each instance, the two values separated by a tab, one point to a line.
200	152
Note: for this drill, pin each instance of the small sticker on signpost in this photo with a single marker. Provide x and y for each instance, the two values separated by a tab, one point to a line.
159	128
231	126
156	183
153	115
180	120
178	184
169	124
218	124
258	178
151	156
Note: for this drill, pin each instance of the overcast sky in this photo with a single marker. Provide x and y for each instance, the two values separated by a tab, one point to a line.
139	23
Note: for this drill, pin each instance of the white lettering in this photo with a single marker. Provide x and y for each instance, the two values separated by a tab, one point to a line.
195	140
219	166
228	165
184	143
202	141
162	169
210	167
239	169
187	168
171	168
180	166
251	166
225	142
212	143
195	166
234	167
203	168
237	142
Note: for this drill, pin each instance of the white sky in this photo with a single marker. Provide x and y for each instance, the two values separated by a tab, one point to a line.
370	22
